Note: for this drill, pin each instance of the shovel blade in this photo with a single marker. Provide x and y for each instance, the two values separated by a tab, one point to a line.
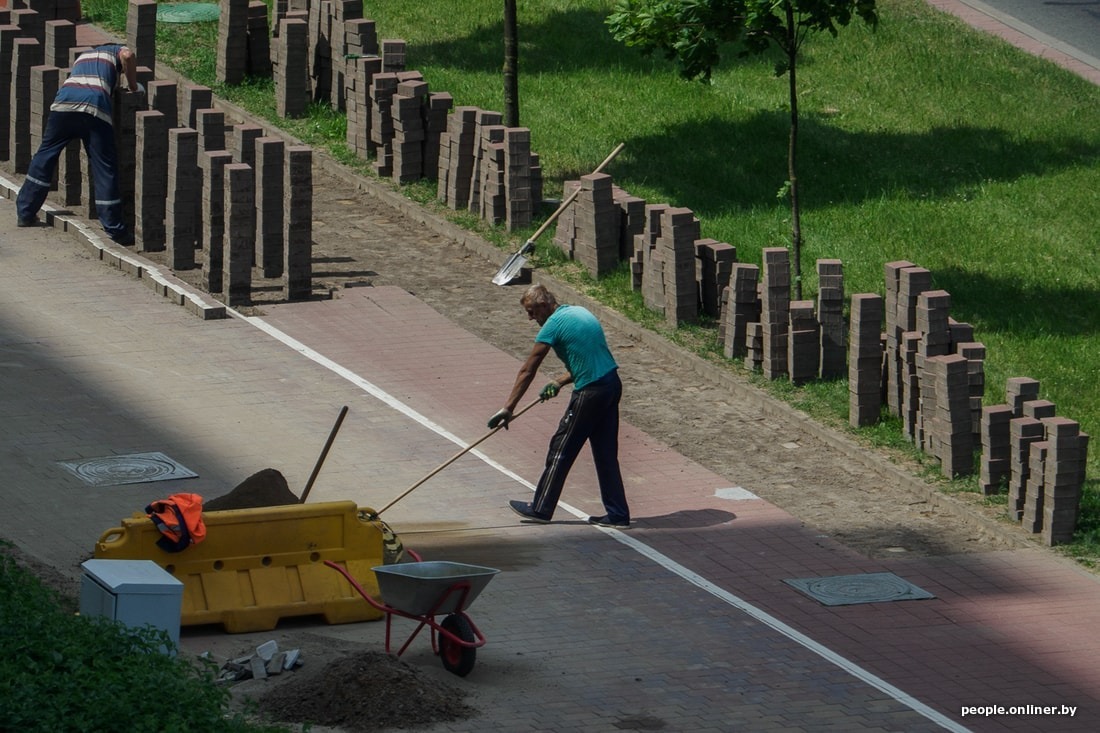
510	270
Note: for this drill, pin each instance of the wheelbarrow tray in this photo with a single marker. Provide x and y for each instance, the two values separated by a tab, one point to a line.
425	588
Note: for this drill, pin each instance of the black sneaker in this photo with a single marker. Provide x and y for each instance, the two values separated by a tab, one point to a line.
523	509
605	522
32	222
125	239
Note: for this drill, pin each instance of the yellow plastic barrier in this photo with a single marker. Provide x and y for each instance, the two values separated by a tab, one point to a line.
257	566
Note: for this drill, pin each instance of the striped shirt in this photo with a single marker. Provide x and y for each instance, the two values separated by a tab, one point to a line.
92	81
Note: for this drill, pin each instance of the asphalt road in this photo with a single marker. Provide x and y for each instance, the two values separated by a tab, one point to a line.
1070	26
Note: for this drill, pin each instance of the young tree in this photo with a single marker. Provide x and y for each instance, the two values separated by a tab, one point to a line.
511	65
694	31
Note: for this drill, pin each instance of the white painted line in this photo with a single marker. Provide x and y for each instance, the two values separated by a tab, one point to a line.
641	548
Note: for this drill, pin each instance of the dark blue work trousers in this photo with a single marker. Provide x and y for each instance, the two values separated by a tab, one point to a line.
99	142
593	416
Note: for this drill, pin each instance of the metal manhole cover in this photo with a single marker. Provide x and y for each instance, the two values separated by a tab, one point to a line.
187	12
845	590
136	468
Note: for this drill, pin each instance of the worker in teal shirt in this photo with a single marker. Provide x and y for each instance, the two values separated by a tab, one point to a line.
592	414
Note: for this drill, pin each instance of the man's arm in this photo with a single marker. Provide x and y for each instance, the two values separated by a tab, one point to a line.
527	374
129	67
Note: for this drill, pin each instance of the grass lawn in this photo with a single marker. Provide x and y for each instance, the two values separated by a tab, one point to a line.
923	140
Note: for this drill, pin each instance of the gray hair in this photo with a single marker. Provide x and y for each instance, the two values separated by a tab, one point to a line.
538	295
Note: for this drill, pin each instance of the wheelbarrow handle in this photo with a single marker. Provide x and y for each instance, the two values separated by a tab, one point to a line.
454	458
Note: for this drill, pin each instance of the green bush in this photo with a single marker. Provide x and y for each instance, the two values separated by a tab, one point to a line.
64	672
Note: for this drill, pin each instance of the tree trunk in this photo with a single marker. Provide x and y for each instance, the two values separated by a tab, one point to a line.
792	153
511	65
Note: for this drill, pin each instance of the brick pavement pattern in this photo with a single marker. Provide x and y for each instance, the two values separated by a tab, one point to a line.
684	623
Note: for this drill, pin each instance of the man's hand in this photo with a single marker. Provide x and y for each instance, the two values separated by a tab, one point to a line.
502	417
549	391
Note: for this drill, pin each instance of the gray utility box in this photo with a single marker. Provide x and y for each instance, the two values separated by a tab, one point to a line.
135	592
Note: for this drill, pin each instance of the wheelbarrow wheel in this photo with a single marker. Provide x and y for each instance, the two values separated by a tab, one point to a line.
457	658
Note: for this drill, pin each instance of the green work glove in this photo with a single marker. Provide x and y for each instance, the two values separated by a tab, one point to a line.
504	416
549	391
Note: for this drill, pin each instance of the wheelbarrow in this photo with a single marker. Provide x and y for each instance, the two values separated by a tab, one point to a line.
421	591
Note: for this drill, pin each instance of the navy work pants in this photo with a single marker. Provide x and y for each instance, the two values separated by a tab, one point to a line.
593	416
99	142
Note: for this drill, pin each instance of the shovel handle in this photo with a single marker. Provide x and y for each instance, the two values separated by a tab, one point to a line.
565	204
454	458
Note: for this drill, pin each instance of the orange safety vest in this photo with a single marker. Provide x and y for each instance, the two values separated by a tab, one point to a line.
179	519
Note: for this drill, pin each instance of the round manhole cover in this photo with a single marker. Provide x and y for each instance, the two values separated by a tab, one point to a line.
187	12
136	468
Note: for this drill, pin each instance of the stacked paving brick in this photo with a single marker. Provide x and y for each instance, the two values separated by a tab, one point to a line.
974	352
775	311
647	276
754	346
44	84
456	158
232	60
394	51
60	40
212	164
183	201
483	119
269	200
151	180
210	124
951	436
931	322
163	96
292	88
361	62
632	221
1063	478
594	239
865	355
519	172
342	12
240	235
26	54
8	34
1023	431
382	90
298	223
830	318
141	32
31	23
195	97
912	281
804	343
408	110
259	40
740	307
715	268
675	251
892	275
358	105
996	440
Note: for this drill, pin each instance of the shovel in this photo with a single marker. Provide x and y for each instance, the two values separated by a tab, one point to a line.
511	267
454	458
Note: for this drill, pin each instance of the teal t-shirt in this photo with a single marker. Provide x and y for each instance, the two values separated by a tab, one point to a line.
579	341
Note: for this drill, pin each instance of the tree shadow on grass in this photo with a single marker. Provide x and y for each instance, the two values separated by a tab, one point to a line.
740	165
1011	306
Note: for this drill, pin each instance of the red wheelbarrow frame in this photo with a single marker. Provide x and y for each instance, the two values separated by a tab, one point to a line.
462	587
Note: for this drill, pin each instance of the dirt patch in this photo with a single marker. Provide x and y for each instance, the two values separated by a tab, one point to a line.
267	487
363	692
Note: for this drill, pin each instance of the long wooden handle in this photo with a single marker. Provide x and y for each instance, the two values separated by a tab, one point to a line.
454	458
569	199
324	452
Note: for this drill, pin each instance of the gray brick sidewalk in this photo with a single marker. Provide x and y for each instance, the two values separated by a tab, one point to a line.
685	621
